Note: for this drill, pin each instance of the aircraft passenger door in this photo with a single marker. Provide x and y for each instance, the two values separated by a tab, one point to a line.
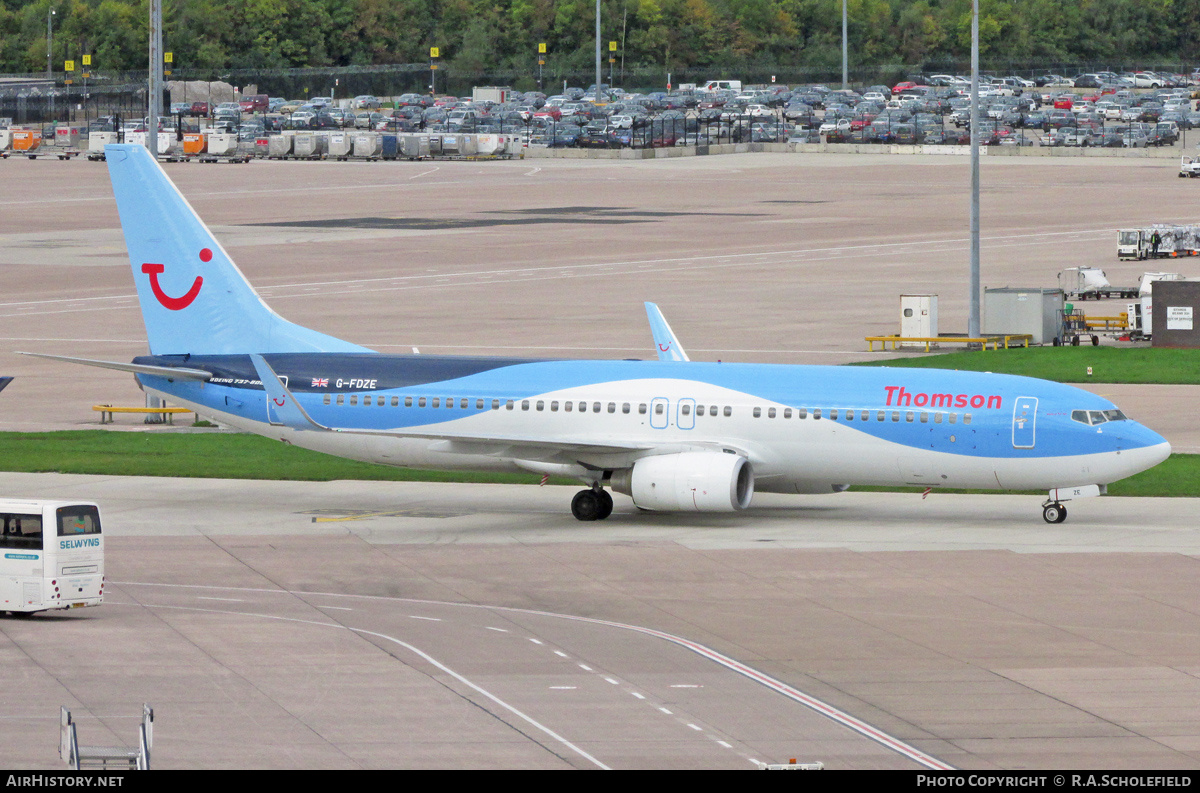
660	413
272	416
686	418
1024	422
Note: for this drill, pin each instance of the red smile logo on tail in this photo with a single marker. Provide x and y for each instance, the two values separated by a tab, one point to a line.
175	303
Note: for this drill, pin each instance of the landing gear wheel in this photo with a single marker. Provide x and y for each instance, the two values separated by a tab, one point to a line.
606	504
1095	341
1054	513
587	505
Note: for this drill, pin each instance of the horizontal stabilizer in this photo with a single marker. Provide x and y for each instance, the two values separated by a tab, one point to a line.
172	372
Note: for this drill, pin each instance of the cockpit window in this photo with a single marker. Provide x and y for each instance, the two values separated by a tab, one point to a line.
1094	417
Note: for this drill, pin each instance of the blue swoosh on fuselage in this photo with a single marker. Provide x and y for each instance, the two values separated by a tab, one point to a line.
990	398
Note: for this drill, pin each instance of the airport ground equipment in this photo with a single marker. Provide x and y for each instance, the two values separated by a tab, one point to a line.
167	413
1189	166
136	758
1174	241
1084	283
1008	341
1035	311
918	318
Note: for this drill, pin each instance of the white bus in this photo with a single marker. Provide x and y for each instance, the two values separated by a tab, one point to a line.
52	555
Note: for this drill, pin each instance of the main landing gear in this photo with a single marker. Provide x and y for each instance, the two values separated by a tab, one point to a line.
592	504
1054	512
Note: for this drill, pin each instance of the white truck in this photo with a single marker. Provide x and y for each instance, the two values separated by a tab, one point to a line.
1189	166
712	86
1141	313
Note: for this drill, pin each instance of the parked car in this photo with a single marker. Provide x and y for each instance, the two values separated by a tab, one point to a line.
255	103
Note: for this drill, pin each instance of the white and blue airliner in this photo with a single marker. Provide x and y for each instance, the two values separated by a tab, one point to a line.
672	434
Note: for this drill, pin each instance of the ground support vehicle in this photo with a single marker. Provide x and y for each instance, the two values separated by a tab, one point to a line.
1083	283
1189	166
53	555
1174	241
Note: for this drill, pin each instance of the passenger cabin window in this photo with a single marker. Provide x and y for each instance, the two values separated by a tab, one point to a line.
327	399
407	402
21	531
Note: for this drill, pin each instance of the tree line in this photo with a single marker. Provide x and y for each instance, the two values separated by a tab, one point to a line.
671	35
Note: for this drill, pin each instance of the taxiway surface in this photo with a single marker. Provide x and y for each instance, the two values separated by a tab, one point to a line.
962	626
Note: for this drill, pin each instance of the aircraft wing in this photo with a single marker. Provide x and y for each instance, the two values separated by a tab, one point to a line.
286	411
4	381
667	345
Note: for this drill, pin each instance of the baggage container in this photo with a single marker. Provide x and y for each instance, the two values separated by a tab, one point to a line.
414	147
309	145
491	145
390	145
167	142
26	139
5	139
262	144
222	144
452	144
435	145
193	143
279	147
67	136
98	140
367	145
340	145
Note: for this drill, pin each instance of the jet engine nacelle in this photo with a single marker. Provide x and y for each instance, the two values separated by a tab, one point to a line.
688	482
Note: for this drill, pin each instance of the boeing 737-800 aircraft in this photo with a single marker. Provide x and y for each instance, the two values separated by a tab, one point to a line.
673	434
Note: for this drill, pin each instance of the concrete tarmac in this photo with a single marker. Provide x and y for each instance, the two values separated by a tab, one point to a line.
962	626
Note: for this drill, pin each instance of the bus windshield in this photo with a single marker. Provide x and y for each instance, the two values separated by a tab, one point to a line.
21	531
78	520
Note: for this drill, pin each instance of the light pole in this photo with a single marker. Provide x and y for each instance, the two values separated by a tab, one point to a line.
599	92
973	302
49	43
845	58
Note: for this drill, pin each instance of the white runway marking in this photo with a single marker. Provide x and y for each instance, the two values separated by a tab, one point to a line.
749	672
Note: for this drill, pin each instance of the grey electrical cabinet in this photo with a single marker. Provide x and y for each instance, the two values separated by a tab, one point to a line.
1008	310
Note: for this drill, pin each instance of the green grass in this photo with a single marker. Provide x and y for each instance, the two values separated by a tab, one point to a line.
234	456
1069	364
216	455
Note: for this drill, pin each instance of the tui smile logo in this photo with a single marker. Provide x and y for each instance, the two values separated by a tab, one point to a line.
175	303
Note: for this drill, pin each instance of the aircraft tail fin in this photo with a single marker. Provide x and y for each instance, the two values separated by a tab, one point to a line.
193	297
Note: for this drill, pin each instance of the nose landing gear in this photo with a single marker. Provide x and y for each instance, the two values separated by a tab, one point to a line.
592	504
1054	512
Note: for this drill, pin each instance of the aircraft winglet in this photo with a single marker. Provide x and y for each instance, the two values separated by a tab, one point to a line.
664	339
282	407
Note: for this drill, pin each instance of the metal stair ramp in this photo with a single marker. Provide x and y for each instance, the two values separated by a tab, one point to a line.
106	757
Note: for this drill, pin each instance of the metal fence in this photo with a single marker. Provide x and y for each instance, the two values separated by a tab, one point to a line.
72	103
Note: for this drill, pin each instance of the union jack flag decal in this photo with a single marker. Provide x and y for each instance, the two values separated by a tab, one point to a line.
320	382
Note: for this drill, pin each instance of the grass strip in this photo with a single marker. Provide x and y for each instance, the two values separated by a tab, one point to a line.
221	455
1147	365
212	455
